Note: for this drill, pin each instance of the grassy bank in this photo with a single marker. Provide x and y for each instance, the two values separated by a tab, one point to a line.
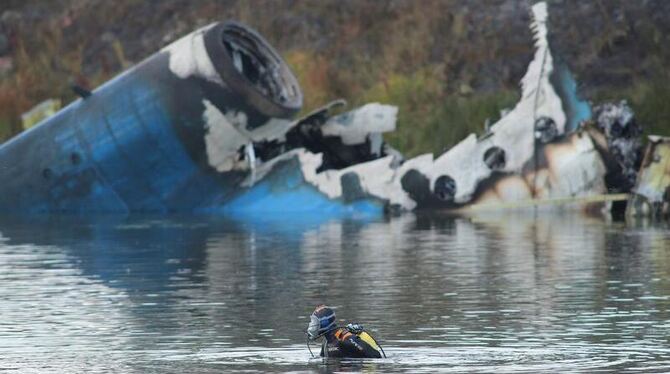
448	65
42	68
431	117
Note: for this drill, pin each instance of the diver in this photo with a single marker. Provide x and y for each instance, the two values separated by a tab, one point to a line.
351	341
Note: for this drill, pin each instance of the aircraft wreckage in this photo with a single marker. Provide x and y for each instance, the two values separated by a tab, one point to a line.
206	125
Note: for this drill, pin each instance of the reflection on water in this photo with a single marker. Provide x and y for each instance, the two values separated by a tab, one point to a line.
505	293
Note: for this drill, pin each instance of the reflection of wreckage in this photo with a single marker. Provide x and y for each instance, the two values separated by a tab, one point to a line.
205	126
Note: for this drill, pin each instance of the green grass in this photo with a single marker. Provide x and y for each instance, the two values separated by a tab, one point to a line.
430	120
5	129
448	121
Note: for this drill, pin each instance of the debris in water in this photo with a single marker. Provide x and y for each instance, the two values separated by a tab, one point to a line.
206	125
651	194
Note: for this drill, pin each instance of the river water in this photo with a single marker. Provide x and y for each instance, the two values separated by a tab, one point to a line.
504	293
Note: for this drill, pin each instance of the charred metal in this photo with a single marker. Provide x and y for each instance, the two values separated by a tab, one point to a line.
651	194
206	125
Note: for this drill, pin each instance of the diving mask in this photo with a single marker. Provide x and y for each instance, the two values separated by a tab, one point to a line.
320	322
313	328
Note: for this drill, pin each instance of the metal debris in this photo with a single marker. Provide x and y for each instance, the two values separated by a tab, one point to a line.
624	143
651	194
167	135
45	109
206	125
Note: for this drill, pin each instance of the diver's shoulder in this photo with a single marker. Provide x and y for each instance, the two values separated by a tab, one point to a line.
342	334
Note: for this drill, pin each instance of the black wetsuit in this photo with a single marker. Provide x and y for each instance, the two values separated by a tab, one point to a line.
341	343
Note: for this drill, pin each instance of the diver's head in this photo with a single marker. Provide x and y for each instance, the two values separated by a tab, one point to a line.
321	321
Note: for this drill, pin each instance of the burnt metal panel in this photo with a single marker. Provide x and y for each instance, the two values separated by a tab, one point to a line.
651	194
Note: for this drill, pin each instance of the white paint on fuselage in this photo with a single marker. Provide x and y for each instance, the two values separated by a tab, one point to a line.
354	126
222	140
189	57
514	133
574	169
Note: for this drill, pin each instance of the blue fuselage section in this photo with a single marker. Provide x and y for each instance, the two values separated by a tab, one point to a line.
137	145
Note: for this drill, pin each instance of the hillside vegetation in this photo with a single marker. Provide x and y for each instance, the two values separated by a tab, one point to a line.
448	65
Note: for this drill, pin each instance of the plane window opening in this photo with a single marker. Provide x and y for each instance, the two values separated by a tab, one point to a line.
445	188
495	158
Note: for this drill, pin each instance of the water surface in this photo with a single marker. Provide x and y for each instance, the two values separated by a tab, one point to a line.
504	293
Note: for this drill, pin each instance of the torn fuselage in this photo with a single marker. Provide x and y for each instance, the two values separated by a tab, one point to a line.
163	136
541	151
205	125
